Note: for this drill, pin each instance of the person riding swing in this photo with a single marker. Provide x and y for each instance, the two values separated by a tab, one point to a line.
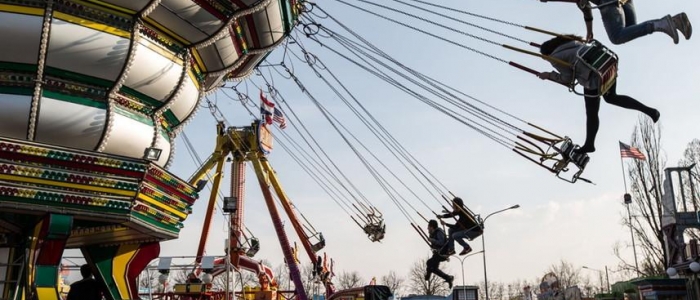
620	21
567	53
466	227
438	245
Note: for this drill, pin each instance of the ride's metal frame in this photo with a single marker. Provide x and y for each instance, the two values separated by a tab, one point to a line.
245	144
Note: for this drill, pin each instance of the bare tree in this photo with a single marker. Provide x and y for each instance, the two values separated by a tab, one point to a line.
418	284
645	177
179	276
348	280
394	282
497	290
567	274
148	279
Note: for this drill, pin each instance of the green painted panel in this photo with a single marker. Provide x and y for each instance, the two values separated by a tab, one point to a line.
60	226
46	276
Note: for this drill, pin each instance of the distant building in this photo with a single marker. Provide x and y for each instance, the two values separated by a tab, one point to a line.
459	292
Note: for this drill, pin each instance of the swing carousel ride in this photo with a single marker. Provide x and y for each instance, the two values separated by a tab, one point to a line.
94	94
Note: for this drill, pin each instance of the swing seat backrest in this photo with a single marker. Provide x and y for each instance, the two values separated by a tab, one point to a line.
602	61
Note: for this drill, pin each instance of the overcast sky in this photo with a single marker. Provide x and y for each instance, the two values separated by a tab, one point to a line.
579	223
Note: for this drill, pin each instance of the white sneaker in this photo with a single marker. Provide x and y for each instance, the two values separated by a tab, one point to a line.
681	22
667	26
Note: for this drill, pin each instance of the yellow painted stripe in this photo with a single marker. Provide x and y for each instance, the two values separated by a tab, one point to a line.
161	205
166	30
199	60
162	51
119	267
194	78
32	250
47	293
112	6
22	9
90	24
68	185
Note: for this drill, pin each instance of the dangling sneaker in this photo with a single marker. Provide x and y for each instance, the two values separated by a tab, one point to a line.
681	22
667	26
466	250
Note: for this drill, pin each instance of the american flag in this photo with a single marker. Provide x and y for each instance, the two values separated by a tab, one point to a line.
278	117
266	108
629	151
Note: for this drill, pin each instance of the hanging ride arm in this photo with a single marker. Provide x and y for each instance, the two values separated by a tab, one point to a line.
294	273
287	206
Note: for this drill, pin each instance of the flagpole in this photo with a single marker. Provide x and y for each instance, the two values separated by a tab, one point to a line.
628	201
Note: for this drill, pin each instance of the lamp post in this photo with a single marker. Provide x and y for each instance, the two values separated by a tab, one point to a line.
607	279
483	247
461	261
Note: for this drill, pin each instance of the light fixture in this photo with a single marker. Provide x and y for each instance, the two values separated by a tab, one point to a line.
163	278
695	266
207	278
628	198
671	271
152	153
200	185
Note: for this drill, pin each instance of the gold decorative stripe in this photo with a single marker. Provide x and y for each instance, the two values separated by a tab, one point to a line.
166	30
161	50
90	24
199	60
112	6
193	78
22	9
67	185
161	205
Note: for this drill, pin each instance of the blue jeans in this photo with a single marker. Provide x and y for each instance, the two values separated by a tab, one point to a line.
458	236
621	23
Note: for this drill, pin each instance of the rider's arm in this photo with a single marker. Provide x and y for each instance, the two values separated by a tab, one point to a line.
585	8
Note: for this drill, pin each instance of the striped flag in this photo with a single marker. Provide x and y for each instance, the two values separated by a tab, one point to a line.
629	151
278	117
266	108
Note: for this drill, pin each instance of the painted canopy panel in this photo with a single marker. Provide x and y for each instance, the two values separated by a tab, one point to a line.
194	14
101	84
14	115
130	135
153	74
20	35
101	54
172	22
65	123
187	100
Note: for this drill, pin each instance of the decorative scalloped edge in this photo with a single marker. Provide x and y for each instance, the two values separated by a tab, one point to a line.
224	29
41	64
172	151
135	36
110	122
241	60
178	128
180	86
149	9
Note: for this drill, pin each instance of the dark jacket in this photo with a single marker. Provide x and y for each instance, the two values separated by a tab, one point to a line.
464	222
438	240
86	289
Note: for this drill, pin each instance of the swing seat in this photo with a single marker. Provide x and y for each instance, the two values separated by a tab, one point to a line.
321	242
602	61
254	247
568	155
375	231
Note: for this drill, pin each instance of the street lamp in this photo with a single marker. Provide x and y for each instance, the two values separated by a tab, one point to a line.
607	279
483	247
461	261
